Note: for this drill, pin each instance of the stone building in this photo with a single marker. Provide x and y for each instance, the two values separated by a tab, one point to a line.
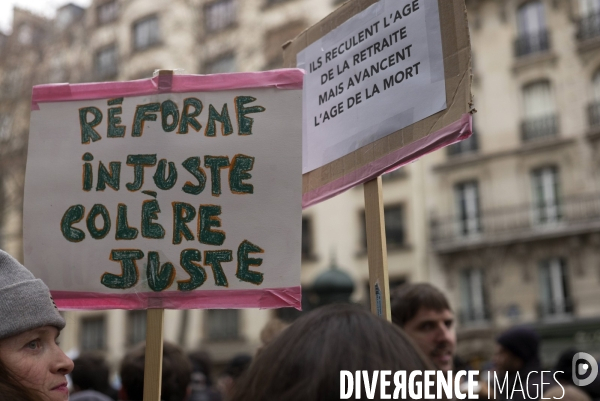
507	222
515	227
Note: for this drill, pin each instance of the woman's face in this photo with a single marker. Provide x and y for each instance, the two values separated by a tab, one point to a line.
36	360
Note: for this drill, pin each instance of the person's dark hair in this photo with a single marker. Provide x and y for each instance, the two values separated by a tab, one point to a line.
304	362
523	342
176	373
407	299
237	366
202	363
90	372
11	389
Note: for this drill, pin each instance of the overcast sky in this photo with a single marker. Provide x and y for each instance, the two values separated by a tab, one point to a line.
42	7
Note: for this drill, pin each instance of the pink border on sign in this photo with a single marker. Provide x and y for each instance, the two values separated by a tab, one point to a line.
267	298
289	78
455	132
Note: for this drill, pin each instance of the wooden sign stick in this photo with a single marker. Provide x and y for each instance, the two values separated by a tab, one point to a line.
155	317
154	354
377	250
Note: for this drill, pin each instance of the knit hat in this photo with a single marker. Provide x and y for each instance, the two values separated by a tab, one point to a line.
25	302
521	341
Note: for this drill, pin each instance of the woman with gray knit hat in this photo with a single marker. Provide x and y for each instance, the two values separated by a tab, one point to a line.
32	366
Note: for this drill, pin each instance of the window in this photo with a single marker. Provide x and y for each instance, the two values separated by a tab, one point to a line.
307	239
531	26
467	203
589	7
220	15
273	2
554	288
221	64
25	34
589	22
594	106
394	227
546	198
68	14
106	62
107	12
6	122
223	324
137	326
466	146
396	174
93	333
540	117
473	300
146	33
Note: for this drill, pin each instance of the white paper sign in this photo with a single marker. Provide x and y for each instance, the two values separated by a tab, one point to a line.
174	192
379	72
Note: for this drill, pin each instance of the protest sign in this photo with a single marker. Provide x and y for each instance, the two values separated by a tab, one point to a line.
177	193
387	127
387	82
390	54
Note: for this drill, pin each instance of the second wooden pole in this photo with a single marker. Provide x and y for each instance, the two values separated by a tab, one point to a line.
377	250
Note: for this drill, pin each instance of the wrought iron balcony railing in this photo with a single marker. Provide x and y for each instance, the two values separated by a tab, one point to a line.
594	114
469	145
589	27
472	316
539	127
519	222
531	43
549	310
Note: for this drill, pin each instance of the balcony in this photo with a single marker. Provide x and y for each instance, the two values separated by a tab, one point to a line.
588	27
472	317
467	146
532	43
594	114
533	129
554	311
528	222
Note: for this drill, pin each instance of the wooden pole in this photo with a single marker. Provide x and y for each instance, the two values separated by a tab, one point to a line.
155	317
377	250
154	354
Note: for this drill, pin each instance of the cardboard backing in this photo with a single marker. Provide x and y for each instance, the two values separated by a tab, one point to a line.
457	67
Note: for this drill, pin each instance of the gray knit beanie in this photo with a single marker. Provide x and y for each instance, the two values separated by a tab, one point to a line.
25	302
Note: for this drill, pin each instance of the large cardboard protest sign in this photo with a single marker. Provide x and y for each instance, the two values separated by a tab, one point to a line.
178	194
386	82
391	54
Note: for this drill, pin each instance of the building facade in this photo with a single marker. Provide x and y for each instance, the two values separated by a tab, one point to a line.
515	228
507	222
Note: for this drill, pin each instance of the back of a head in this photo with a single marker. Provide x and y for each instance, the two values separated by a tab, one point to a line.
176	373
523	342
407	299
237	366
90	372
304	362
201	363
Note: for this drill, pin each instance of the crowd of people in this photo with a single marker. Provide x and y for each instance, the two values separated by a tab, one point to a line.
297	362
